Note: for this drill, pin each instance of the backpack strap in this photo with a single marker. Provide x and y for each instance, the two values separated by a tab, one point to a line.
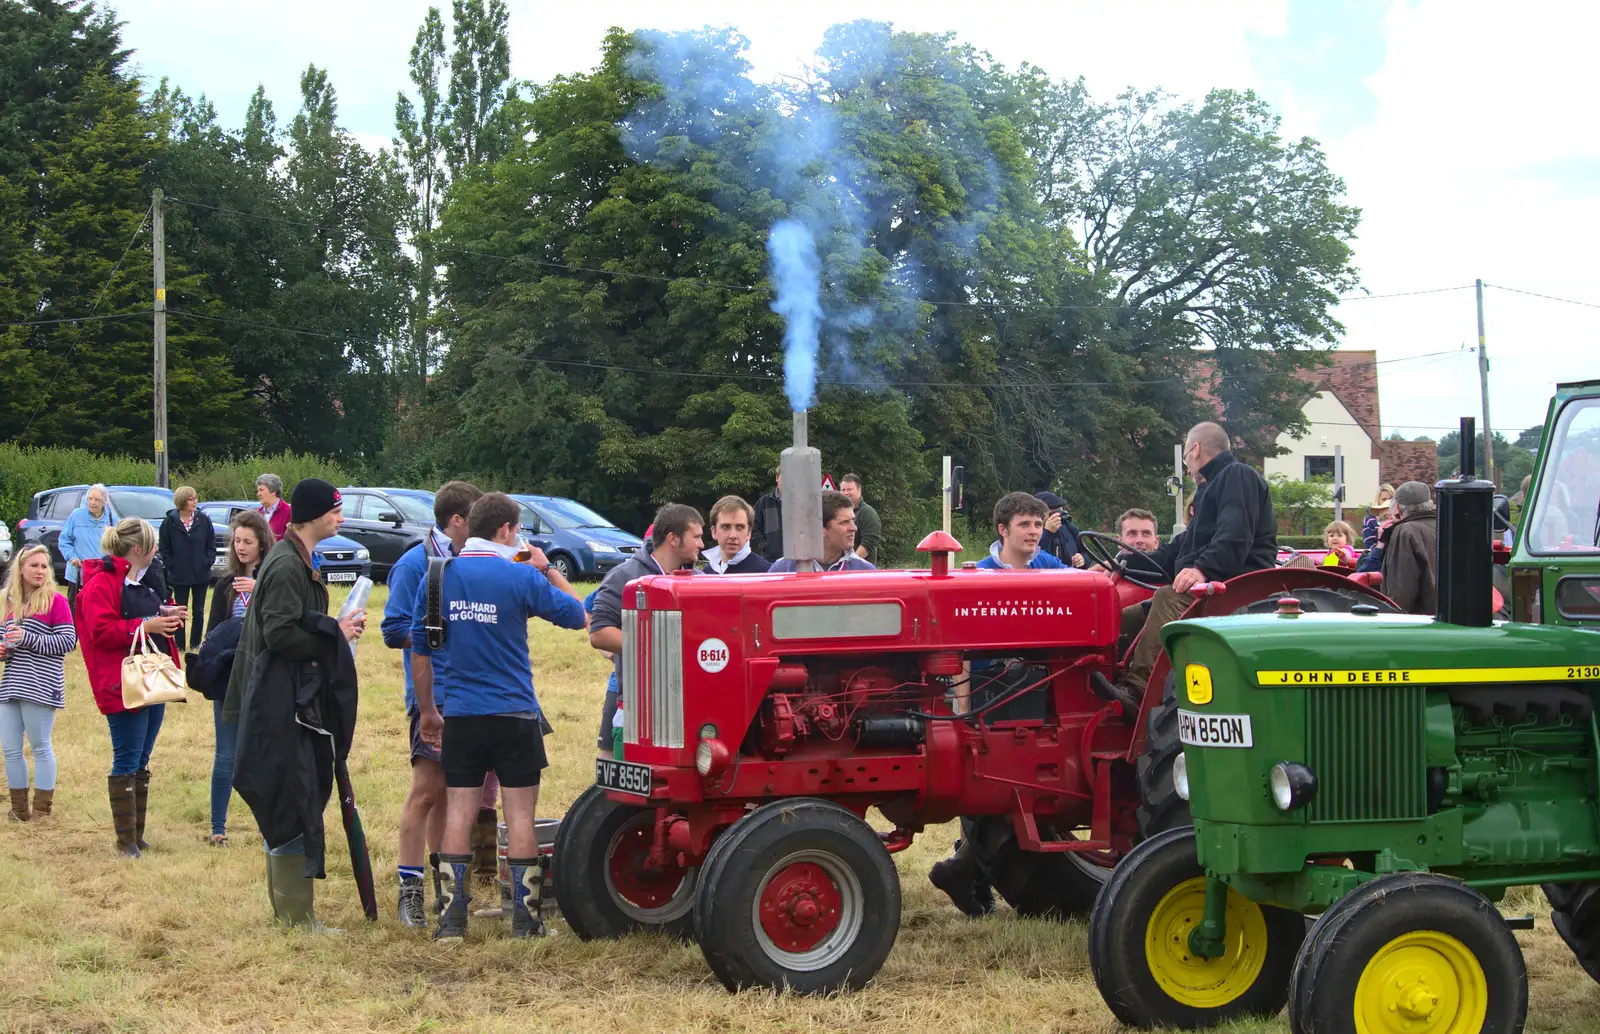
433	618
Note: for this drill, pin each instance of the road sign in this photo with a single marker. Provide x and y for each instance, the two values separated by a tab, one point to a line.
827	483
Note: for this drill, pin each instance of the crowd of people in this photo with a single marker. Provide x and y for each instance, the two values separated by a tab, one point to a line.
279	672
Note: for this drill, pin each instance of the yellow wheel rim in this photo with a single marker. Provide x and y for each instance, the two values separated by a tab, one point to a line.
1187	978
1423	982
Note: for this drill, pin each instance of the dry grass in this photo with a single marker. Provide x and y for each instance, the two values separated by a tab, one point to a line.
182	941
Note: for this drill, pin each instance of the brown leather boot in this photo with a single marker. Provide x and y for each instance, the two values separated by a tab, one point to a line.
141	797
43	800
124	818
19	806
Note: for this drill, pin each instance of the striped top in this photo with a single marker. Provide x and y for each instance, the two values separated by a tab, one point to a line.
34	671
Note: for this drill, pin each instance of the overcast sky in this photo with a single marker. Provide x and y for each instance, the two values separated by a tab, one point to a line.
1463	130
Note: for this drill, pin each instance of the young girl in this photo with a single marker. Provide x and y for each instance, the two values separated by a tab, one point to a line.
35	634
251	541
1339	538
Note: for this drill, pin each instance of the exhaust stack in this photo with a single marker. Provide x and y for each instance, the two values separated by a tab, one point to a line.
802	500
1465	560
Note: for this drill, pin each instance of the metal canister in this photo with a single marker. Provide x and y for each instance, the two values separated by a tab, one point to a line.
502	857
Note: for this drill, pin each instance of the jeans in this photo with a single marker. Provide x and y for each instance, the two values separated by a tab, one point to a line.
295	846
193	596
16	718
222	769
133	737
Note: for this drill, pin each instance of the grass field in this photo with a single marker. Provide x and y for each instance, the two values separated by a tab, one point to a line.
183	941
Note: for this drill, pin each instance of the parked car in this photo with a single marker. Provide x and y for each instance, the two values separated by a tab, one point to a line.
48	511
343	560
6	546
387	521
579	542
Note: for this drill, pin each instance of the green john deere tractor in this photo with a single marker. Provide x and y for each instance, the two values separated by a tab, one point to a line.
1392	775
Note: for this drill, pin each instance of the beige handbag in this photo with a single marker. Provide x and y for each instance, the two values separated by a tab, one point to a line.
149	676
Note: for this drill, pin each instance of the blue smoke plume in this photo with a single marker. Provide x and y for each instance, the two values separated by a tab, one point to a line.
797	275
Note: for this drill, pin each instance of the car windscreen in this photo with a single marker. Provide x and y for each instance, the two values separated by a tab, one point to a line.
566	514
414	508
148	505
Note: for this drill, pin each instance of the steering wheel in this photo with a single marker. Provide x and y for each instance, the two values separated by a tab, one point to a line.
1109	552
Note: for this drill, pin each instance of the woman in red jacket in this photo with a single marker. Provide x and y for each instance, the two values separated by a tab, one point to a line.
120	595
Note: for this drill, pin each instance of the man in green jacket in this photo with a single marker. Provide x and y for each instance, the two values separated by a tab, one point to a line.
869	528
288	587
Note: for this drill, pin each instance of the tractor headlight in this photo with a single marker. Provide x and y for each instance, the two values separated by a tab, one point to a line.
1180	776
711	757
1292	785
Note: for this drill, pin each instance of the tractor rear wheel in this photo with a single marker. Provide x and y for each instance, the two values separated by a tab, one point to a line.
1051	885
1409	952
1575	913
799	894
1139	944
1160	807
605	884
1319	599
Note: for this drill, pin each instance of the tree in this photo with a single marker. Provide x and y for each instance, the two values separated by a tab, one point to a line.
476	130
421	146
1512	462
77	149
1296	502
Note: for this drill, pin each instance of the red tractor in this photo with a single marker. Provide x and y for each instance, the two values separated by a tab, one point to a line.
766	714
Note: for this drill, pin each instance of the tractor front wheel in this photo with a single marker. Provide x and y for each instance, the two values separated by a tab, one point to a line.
1408	953
605	883
1139	944
799	894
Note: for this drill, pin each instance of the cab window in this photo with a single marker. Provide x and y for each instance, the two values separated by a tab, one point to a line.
1566	514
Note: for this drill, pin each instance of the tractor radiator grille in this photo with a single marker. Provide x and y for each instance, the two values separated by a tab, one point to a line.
1367	746
652	677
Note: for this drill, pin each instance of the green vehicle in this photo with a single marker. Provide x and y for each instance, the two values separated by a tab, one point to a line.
1391	775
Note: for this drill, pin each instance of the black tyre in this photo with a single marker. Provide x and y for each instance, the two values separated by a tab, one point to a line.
1575	913
563	563
1409	952
1139	952
799	894
604	883
1160	807
1318	599
1033	883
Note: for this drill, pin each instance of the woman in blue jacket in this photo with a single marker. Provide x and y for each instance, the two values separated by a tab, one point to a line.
80	537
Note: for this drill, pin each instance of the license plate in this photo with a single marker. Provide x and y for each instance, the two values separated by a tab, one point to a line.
336	577
623	776
1214	730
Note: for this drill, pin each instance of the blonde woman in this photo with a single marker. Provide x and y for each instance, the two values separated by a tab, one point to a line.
188	549
120	596
35	634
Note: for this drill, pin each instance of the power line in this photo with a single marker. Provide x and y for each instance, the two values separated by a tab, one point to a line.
732	376
387	238
1546	297
101	296
77	319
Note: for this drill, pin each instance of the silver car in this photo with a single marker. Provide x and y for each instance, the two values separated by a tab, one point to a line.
6	548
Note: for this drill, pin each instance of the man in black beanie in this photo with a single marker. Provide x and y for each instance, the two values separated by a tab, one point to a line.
1060	538
289	591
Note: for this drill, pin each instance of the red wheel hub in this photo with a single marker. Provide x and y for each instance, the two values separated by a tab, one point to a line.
634	878
799	907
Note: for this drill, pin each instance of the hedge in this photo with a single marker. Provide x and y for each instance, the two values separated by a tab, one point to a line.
25	471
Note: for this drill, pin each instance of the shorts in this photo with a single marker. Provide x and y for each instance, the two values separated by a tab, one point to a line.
608	714
475	745
420	750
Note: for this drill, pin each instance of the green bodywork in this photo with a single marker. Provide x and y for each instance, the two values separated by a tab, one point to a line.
1466	751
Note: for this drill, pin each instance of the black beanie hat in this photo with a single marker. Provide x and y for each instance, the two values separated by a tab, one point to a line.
1050	499
312	497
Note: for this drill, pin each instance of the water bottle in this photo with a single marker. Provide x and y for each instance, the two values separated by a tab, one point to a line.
357	600
616	733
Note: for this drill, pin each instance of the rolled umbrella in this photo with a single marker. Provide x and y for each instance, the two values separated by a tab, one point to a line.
360	859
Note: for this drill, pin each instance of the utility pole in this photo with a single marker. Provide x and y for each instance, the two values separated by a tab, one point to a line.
1338	482
158	247
1489	472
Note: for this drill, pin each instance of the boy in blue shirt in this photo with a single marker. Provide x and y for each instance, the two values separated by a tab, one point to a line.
1019	521
481	670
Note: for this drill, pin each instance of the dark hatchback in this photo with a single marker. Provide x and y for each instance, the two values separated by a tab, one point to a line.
579	542
341	560
387	521
48	511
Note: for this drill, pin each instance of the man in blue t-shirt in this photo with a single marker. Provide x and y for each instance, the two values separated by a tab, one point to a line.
422	815
482	671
